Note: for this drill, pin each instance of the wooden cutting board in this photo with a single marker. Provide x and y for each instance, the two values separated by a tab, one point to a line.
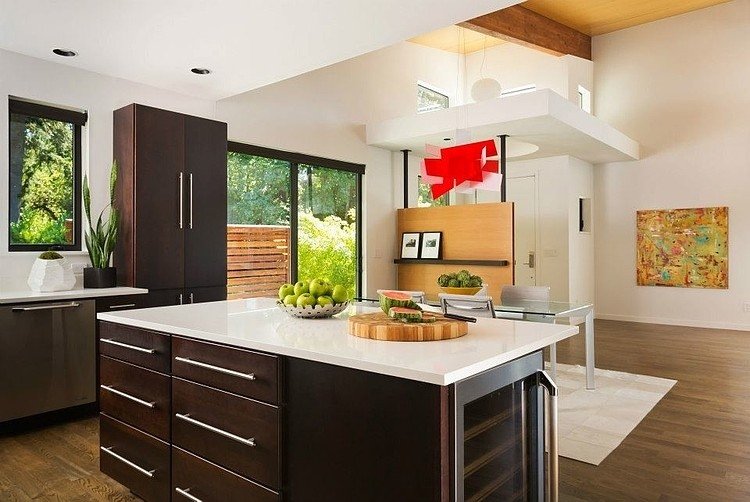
378	326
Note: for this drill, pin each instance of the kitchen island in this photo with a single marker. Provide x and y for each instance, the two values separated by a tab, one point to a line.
236	400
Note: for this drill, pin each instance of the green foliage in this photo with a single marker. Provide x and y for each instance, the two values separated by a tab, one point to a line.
257	190
424	198
50	255
43	151
36	227
325	192
328	249
102	237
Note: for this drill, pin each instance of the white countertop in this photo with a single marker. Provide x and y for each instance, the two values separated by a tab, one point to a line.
26	295
259	325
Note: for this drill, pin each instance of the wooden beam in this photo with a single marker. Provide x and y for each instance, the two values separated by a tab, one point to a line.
522	26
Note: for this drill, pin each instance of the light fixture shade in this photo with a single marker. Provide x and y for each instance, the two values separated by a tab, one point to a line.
485	89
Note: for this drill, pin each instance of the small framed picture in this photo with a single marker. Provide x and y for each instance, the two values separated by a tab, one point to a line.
410	244
431	246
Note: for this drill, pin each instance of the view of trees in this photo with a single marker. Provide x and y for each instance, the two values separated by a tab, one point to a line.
259	193
425	196
42	187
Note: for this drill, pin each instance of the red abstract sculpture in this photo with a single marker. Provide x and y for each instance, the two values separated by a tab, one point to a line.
464	165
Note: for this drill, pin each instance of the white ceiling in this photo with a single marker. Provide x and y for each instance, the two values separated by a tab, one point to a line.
246	43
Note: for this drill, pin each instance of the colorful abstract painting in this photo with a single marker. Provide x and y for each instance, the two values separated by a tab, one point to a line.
687	248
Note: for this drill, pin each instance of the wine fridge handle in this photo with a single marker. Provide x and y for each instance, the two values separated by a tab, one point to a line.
551	418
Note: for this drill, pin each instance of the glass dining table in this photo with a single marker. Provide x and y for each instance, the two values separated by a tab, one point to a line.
551	311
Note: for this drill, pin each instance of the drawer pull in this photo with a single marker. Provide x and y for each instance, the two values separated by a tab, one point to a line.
187	418
128	346
218	369
123	306
128	396
184	493
70	305
145	472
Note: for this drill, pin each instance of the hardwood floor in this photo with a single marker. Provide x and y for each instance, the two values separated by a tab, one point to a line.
694	445
58	463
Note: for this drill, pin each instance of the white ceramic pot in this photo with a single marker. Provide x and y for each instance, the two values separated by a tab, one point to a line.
51	275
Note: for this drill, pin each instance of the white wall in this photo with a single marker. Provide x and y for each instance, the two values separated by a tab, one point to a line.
57	84
680	87
515	66
564	256
323	113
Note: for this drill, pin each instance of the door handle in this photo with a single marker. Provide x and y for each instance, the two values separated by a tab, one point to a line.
532	260
547	383
185	492
145	472
190	202
181	182
53	306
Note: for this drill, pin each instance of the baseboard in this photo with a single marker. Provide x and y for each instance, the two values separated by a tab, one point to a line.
693	323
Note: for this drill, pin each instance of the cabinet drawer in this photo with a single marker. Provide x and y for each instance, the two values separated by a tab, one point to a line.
135	459
116	303
243	372
208	482
237	433
136	396
134	345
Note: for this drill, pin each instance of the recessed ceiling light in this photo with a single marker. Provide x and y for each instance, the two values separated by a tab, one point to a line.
200	71
446	139
64	53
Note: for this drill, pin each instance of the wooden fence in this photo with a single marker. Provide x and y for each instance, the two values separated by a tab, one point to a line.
257	260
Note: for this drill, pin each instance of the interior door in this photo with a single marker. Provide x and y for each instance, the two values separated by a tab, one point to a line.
206	203
159	212
522	192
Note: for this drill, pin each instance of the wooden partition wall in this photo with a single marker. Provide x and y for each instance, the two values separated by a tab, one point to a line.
476	237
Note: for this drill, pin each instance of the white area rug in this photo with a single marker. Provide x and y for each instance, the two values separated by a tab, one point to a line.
593	423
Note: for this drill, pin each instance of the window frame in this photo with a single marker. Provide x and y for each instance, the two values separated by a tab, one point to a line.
432	89
78	119
295	160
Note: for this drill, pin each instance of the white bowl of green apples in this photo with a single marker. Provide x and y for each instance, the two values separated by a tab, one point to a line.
313	299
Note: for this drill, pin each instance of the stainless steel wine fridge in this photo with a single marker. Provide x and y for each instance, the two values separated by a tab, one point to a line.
505	434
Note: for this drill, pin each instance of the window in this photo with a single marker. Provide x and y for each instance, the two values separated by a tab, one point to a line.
584	99
425	196
429	99
45	177
518	90
291	216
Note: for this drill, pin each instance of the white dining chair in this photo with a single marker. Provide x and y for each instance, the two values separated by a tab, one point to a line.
511	293
416	296
468	305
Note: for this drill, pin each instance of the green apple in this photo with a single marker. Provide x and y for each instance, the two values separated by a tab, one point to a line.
306	300
339	294
285	290
329	288
324	300
318	288
301	287
290	300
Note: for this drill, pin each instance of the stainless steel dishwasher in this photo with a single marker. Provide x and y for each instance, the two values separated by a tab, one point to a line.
47	357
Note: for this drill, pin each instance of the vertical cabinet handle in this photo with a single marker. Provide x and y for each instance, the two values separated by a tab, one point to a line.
190	195
546	382
192	297
181	182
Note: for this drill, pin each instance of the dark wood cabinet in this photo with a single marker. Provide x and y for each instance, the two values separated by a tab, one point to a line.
137	460
136	396
172	198
206	204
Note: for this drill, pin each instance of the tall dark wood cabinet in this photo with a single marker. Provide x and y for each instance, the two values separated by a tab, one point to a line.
172	195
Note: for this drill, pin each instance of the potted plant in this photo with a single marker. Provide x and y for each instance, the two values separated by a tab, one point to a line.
51	272
101	238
